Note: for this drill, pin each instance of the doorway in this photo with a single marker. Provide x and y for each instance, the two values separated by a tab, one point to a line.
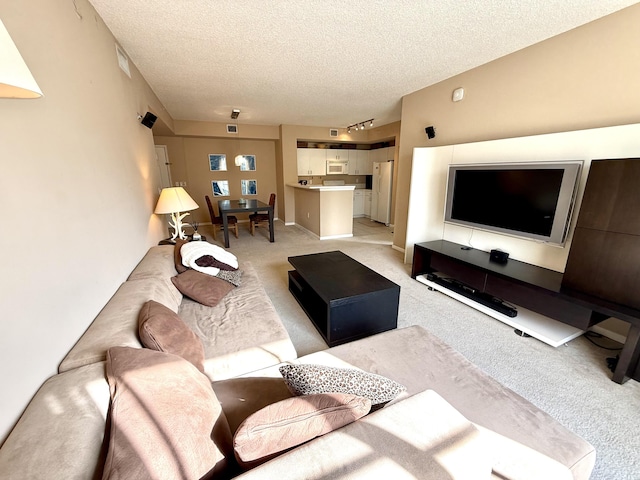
164	166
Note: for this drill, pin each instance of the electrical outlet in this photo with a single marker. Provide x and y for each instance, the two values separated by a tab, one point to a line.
307	214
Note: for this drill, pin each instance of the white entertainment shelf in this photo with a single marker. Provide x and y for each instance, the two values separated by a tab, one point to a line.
545	329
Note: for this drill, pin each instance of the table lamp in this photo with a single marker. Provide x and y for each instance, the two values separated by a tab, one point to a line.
174	200
16	80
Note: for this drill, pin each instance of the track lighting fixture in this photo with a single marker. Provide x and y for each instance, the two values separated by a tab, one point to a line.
360	125
235	113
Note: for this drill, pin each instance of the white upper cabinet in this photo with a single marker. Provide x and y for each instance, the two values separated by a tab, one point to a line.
360	162
335	154
382	154
312	161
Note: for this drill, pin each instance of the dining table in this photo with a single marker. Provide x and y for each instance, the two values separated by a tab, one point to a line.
227	207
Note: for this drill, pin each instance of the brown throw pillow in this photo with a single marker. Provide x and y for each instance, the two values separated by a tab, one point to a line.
165	420
287	423
201	287
177	256
310	379
162	329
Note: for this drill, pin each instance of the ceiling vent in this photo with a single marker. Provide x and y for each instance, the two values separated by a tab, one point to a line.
333	132
232	128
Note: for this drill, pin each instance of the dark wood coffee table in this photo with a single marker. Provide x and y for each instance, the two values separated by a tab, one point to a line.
344	299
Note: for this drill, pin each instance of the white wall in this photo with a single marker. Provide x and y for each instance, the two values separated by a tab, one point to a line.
429	178
78	186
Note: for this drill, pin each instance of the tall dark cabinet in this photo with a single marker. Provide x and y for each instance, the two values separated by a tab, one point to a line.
604	260
603	269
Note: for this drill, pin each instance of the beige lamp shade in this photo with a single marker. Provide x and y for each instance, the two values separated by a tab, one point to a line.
175	199
16	80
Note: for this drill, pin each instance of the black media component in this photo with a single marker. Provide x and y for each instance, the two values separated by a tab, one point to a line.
498	256
481	297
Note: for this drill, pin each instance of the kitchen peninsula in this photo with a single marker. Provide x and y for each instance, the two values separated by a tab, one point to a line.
325	210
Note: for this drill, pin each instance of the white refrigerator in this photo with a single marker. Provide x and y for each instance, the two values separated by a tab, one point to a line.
381	191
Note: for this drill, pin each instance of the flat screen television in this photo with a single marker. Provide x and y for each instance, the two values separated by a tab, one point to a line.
530	200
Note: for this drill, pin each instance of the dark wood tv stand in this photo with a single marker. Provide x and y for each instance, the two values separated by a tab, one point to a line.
534	288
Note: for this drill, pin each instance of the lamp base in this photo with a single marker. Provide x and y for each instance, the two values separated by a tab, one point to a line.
176	223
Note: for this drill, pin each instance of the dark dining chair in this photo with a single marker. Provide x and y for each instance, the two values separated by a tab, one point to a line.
256	218
217	221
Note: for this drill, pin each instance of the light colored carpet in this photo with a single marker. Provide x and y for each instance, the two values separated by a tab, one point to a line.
571	383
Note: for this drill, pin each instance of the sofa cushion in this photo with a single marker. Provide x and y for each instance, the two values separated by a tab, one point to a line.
165	420
241	334
420	437
293	421
157	262
161	329
419	360
117	323
311	379
201	287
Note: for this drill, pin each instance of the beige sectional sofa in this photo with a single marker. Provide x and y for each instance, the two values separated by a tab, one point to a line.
453	421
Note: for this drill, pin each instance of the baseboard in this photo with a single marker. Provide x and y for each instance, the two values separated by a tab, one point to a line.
399	249
331	237
306	230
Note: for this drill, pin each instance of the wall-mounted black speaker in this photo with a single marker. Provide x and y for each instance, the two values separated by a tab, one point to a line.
148	120
430	131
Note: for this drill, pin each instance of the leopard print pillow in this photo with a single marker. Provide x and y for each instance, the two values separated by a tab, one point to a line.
312	379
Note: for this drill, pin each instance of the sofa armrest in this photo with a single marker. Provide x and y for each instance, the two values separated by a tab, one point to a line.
420	437
515	461
61	432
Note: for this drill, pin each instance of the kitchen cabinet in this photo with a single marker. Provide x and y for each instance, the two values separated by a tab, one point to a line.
382	154
337	155
367	203
360	162
358	203
312	161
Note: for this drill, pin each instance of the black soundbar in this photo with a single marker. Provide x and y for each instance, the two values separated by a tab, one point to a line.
474	294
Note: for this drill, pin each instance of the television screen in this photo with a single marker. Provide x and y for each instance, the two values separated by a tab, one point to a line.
530	200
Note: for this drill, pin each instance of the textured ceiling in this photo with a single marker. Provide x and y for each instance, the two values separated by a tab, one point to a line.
322	62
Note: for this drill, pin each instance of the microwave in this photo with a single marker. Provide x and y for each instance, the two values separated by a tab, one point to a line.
336	167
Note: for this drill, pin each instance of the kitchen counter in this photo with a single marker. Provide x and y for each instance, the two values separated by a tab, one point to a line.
326	211
323	187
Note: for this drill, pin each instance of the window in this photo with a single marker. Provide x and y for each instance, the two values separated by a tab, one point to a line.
249	187
217	162
248	163
220	188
